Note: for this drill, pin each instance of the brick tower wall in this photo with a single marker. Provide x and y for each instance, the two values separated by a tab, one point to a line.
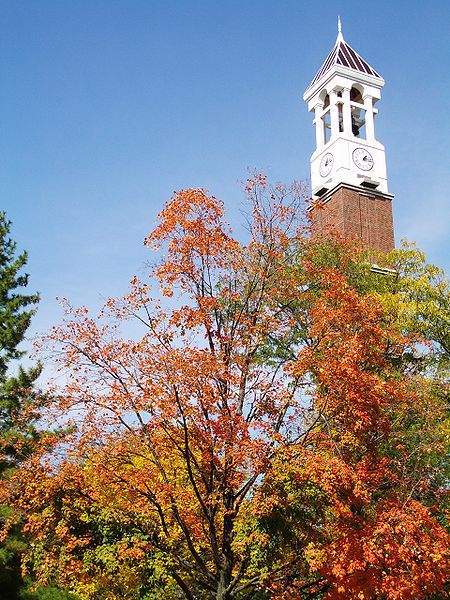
356	213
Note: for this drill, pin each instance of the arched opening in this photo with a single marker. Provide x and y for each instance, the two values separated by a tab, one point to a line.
356	95
358	112
340	111
326	117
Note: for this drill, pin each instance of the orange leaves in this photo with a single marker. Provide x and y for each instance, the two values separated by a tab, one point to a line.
249	435
191	225
348	358
400	554
191	210
257	180
192	317
137	298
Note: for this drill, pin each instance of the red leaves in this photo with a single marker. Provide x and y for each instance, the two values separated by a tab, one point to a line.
401	553
247	424
348	358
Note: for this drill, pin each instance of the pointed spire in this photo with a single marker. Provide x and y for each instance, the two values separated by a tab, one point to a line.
343	55
340	37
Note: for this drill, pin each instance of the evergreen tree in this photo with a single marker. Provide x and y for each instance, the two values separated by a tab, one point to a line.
16	388
19	402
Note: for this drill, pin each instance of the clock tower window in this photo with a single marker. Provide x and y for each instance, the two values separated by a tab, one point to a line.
358	122
325	117
326	120
358	113
341	116
355	95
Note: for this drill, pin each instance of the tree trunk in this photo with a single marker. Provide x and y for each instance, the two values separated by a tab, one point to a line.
226	571
222	593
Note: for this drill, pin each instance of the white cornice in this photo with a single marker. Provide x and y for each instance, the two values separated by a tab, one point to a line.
352	74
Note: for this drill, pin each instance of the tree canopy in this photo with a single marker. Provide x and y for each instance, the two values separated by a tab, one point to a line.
278	430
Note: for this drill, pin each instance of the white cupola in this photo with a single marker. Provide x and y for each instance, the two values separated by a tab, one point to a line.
342	96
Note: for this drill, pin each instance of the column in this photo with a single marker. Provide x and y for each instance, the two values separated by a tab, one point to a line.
334	114
347	112
370	128
320	133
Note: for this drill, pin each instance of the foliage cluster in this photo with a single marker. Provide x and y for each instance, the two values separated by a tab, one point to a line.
278	431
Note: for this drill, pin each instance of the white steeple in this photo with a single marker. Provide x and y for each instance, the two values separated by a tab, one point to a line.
342	95
339	36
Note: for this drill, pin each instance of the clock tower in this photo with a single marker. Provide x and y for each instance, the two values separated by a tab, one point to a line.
348	167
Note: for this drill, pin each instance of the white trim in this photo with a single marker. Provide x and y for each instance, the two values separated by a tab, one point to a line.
352	74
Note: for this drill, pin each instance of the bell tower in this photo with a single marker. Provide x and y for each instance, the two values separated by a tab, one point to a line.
348	167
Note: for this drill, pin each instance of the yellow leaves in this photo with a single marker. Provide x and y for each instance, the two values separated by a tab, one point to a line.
259	405
315	556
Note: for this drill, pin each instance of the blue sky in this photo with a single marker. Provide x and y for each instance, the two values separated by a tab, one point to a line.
109	106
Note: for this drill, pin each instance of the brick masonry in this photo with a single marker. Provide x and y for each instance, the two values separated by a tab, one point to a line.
354	213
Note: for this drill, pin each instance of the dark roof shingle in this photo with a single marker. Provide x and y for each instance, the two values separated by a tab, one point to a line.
344	55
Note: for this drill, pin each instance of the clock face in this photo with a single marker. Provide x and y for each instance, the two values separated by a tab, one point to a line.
326	164
362	159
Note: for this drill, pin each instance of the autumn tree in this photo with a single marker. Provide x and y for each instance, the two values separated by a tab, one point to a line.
356	495
258	439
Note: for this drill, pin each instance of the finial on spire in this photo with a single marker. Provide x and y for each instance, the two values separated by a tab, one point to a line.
339	25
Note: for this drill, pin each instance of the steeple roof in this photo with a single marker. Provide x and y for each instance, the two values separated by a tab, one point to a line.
343	54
